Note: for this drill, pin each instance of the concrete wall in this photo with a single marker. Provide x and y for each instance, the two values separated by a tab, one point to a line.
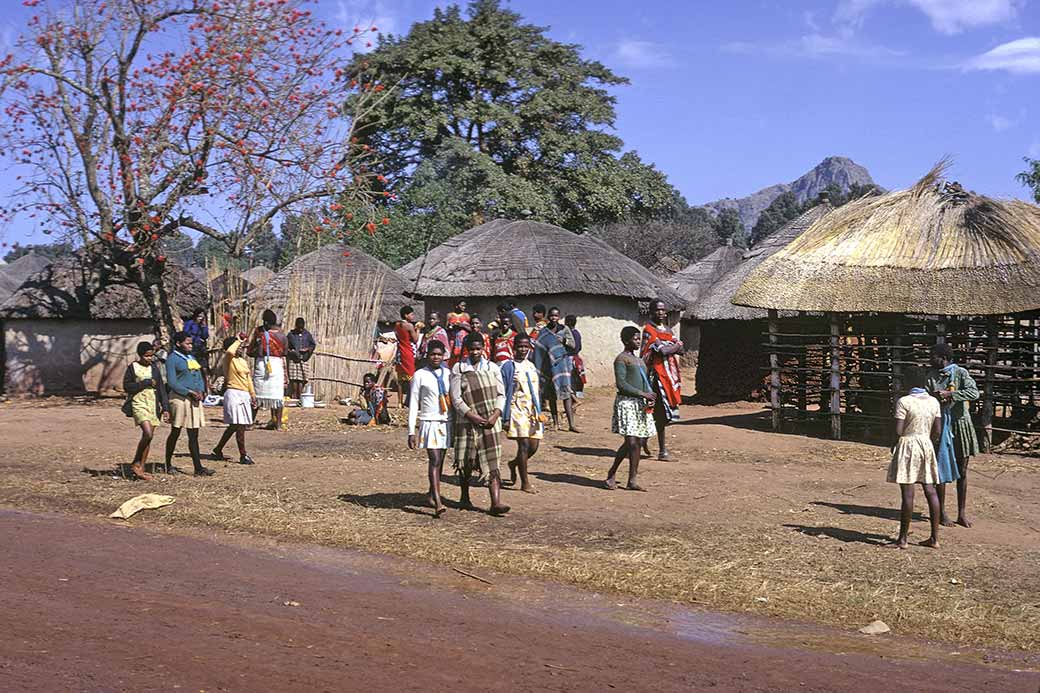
69	356
600	319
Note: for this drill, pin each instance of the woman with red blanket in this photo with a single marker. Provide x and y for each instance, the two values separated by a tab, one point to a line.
660	351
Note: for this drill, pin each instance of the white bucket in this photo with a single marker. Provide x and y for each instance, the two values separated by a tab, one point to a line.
307	400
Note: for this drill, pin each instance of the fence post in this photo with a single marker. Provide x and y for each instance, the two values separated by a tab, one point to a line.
992	344
774	369
835	379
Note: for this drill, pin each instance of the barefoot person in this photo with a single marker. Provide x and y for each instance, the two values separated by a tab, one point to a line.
407	343
955	388
522	417
918	423
429	417
239	398
146	397
269	346
301	348
661	352
478	398
187	390
555	364
633	405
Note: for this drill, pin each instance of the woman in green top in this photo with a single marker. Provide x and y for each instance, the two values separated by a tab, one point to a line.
633	407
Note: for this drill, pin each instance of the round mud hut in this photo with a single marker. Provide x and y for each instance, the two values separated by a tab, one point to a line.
73	327
535	263
872	286
731	358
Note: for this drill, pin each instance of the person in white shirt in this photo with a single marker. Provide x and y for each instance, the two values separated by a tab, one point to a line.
477	398
429	417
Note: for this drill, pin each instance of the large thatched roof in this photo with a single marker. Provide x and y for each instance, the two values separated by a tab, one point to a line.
13	274
715	303
525	258
933	249
330	261
694	280
258	276
74	287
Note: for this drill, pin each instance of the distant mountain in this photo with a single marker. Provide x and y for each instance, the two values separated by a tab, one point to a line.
835	170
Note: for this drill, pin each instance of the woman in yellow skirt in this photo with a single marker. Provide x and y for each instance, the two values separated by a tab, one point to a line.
146	397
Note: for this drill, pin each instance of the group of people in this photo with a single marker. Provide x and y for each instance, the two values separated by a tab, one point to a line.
171	386
462	396
936	441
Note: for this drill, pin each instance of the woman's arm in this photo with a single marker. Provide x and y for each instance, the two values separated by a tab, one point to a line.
968	391
131	384
621	369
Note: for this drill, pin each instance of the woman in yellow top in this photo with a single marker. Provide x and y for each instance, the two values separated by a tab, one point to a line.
146	402
239	398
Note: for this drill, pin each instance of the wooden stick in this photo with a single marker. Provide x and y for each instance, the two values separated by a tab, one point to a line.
471	575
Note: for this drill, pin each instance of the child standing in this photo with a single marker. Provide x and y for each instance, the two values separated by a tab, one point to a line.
146	397
239	398
918	424
522	417
633	405
429	417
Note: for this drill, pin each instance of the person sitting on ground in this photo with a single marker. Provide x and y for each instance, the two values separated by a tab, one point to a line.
918	424
184	378
301	348
522	418
633	405
407	348
578	377
375	400
955	389
148	403
478	398
429	418
661	350
239	398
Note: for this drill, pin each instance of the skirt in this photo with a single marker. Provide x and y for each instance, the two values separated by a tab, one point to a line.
238	408
434	435
523	420
270	388
299	371
631	417
913	461
143	408
184	413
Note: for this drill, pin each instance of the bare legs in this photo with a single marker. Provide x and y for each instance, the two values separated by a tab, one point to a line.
906	513
494	487
435	467
568	410
525	450
630	449
141	455
962	496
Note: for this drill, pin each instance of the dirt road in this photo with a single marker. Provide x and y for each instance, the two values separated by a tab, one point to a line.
95	606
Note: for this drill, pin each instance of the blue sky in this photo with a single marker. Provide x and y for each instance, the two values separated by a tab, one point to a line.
728	97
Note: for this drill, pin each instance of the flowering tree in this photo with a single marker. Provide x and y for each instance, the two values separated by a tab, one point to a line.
132	120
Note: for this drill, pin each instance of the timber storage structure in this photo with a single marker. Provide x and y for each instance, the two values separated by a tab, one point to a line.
868	289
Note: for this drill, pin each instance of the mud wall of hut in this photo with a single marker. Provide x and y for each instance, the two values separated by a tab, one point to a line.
45	357
600	319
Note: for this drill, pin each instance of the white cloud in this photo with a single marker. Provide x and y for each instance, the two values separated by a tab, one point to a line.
818	45
366	14
1021	56
946	16
639	54
999	123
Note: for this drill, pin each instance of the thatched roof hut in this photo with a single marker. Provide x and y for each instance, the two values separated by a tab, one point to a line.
536	263
73	327
697	278
932	249
524	258
13	274
337	261
258	276
879	281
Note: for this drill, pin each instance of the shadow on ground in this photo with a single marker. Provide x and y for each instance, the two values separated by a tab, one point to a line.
842	534
867	510
573	479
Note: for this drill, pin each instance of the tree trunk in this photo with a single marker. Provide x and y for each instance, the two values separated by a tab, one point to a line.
153	287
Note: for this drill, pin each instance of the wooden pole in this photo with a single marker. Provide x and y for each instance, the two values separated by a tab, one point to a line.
835	379
774	369
993	340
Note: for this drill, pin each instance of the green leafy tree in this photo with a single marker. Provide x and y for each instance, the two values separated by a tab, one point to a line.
179	248
1031	177
302	234
265	248
780	211
727	226
521	103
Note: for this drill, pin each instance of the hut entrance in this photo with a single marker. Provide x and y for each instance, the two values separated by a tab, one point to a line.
842	373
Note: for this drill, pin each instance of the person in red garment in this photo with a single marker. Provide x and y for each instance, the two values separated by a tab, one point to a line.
407	340
660	351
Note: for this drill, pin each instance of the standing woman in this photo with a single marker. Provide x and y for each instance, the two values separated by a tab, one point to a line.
146	395
429	417
632	408
188	389
661	350
239	398
269	347
522	418
555	364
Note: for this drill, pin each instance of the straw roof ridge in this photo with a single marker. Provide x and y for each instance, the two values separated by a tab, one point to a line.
715	303
934	248
78	287
523	258
330	261
259	275
692	281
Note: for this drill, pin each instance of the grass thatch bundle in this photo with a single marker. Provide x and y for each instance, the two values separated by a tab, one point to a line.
932	249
